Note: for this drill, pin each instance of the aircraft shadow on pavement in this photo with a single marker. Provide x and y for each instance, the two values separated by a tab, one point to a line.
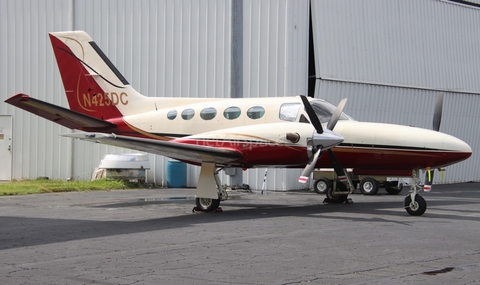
29	231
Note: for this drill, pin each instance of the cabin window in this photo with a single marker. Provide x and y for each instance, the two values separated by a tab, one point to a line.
232	113
187	114
289	111
256	112
208	113
171	115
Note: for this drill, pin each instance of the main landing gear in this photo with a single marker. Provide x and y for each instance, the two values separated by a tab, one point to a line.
335	190
207	204
414	204
337	193
210	190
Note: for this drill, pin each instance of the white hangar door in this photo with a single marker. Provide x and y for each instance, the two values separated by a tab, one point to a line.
5	147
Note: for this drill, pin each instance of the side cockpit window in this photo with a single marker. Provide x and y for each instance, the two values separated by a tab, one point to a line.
289	111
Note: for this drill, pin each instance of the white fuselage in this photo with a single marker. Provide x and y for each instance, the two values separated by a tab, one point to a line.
268	120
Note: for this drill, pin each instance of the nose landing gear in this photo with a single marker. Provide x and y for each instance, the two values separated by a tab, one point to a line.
415	204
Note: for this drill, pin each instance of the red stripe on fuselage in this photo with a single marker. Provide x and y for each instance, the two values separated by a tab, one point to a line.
394	159
280	155
258	153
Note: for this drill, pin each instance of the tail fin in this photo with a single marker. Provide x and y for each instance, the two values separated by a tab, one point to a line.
92	83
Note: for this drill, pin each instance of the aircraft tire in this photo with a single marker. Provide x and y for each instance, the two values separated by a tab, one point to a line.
369	186
321	185
337	198
207	204
417	208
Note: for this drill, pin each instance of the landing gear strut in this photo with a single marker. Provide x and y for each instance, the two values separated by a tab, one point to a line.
415	204
210	190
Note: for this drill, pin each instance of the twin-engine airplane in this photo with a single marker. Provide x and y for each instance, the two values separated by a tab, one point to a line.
289	132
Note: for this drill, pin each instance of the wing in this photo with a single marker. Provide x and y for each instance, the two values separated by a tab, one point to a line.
57	114
176	150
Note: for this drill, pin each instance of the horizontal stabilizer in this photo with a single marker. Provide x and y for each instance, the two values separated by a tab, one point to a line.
176	150
59	115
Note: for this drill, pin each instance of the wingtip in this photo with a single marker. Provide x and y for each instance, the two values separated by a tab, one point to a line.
17	97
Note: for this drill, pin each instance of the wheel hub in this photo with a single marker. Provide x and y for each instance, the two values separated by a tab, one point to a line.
368	186
206	202
322	186
414	205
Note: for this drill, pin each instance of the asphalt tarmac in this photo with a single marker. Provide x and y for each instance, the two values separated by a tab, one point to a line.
152	237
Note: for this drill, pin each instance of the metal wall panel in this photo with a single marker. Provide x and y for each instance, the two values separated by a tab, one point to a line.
275	48
27	65
430	44
275	53
390	58
275	63
182	48
164	49
415	107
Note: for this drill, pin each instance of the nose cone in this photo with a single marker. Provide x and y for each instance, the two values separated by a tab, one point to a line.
460	150
455	144
443	149
327	139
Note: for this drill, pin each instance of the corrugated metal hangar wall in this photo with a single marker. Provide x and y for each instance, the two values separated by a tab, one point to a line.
390	58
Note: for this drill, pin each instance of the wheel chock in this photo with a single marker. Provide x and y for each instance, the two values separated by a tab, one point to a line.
328	201
198	211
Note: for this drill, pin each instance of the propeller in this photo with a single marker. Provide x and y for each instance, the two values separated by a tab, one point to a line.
337	166
312	115
336	115
323	140
437	115
310	167
437	118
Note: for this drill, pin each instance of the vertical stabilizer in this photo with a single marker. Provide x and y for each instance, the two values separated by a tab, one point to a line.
92	83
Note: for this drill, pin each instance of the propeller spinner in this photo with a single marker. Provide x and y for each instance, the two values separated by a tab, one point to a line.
322	140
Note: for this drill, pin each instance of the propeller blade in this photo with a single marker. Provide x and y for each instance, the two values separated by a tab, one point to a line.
437	116
310	167
336	115
437	119
312	115
337	166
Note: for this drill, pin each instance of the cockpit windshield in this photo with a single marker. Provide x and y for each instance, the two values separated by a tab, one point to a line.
325	110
